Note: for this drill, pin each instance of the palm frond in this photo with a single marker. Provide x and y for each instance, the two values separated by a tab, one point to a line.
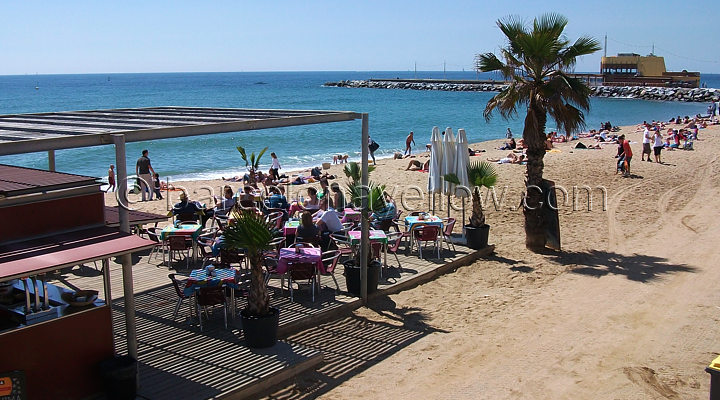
482	173
243	154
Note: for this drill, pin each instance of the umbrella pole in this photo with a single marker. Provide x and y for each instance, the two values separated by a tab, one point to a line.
462	222
448	205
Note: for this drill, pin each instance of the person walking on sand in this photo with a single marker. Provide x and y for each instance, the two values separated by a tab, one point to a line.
508	135
143	170
625	156
372	146
111	179
275	167
410	139
647	139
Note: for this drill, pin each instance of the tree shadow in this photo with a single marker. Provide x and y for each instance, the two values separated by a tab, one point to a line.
636	267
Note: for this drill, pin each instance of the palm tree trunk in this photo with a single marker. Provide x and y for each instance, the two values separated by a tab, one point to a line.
258	301
534	137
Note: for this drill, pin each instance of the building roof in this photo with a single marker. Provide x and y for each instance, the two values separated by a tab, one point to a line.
16	181
112	217
23	133
46	254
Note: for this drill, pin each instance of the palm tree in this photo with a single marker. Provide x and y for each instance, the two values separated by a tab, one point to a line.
537	62
252	232
252	163
480	173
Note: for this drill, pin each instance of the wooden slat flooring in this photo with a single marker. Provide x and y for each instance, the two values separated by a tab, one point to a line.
178	361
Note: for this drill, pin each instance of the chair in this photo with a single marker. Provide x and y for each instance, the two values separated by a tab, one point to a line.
426	233
330	259
247	204
313	240
187	217
301	271
181	296
154	235
229	257
208	297
270	260
348	226
179	244
386	224
205	244
396	239
343	244
447	232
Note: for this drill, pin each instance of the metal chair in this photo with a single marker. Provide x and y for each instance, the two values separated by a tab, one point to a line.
208	297
396	239
181	296
179	244
423	233
342	242
302	271
447	231
154	235
230	257
205	246
330	259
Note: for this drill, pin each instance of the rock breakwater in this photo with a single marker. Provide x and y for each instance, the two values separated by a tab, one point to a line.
633	92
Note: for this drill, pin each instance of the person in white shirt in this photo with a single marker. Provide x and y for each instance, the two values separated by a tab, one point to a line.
327	218
647	139
275	167
657	146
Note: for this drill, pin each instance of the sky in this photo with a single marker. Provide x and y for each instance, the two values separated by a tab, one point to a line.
60	37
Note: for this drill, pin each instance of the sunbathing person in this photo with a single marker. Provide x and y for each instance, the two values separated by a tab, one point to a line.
416	165
511	158
509	145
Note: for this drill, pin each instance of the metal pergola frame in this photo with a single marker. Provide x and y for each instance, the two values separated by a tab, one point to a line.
39	132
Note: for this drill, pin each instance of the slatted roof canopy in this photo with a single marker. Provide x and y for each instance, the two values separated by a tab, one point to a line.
25	133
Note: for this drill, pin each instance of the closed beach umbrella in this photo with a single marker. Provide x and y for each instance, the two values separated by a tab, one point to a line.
462	159
435	181
448	162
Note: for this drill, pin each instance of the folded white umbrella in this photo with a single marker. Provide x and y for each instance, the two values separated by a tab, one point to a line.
462	160
435	181
448	163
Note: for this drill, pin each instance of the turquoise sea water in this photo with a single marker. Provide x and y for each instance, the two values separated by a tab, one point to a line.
393	113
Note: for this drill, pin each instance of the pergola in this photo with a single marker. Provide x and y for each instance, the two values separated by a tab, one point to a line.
28	133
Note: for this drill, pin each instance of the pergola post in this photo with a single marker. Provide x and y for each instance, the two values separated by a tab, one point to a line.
51	160
128	292
364	223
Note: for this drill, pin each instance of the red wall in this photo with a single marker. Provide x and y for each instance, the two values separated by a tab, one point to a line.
51	216
60	357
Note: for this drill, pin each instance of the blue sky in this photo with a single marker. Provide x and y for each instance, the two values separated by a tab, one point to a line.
186	36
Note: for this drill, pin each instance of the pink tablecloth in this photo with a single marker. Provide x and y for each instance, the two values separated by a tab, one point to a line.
313	255
351	215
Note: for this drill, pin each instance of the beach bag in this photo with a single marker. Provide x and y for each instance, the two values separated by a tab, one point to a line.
373	145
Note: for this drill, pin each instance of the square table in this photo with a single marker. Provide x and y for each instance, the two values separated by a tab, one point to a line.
199	279
189	230
351	215
376	235
290	228
411	220
307	254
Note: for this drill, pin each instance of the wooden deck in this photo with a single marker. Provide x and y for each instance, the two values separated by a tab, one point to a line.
178	361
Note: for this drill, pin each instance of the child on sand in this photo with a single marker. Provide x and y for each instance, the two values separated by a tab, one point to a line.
157	186
111	178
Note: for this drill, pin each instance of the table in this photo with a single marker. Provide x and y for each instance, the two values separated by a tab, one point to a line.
199	278
429	220
190	230
290	228
309	254
351	215
376	235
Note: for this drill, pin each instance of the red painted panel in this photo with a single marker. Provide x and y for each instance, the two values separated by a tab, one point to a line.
46	217
60	357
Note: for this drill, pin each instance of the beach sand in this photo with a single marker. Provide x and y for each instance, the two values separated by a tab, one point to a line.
627	309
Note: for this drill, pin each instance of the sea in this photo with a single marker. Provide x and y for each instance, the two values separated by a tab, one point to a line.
392	115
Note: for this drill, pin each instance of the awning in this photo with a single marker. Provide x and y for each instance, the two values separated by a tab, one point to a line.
112	218
49	253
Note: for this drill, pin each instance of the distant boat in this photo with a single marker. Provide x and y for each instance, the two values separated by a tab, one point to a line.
261	83
37	85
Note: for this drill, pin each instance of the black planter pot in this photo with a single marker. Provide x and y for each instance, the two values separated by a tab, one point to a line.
352	276
260	332
477	238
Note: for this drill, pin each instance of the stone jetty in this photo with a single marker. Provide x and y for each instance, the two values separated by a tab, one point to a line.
633	92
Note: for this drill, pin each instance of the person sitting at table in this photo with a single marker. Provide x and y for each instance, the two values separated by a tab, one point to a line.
187	210
246	198
311	203
223	206
276	199
307	230
384	215
327	218
338	198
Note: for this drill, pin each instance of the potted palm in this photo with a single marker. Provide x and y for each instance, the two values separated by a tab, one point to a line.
480	174
376	201
252	163
251	232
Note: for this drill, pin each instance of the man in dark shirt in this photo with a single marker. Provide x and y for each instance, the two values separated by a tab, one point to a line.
185	209
143	169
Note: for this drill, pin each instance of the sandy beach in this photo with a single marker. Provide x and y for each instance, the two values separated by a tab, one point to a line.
626	310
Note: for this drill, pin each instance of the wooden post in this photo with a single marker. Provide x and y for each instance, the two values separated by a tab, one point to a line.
364	223
51	160
128	292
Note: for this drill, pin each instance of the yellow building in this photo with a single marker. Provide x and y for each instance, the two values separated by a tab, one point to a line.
632	69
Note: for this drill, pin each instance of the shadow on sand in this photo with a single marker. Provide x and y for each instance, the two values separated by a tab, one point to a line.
636	267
